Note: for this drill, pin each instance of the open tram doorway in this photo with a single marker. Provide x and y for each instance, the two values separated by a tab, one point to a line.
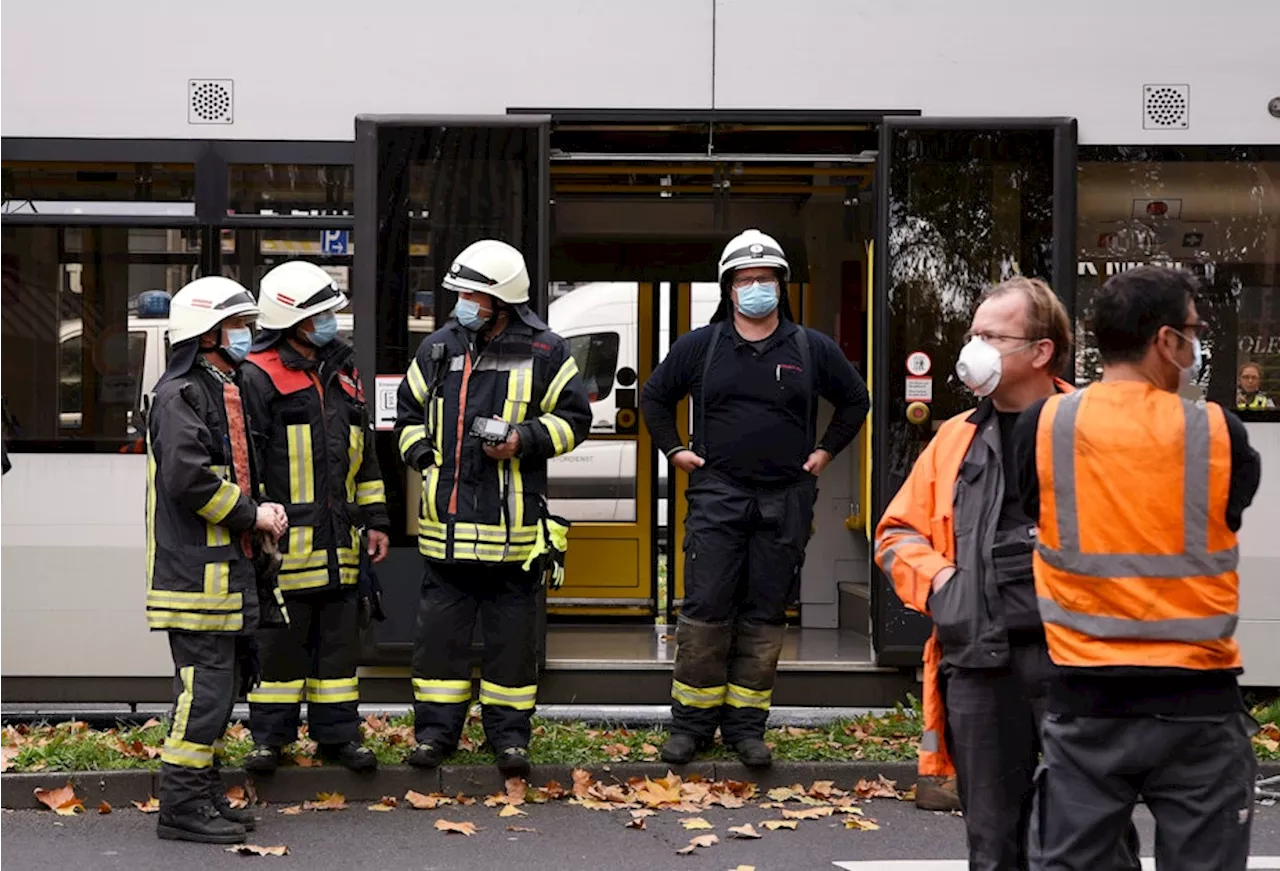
621	220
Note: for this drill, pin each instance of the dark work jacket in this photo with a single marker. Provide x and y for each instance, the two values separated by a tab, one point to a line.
319	461
476	509
198	578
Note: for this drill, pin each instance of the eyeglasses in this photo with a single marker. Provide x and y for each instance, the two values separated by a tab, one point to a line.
740	283
987	337
1197	329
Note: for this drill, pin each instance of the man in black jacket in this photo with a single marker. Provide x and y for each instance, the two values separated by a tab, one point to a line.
753	468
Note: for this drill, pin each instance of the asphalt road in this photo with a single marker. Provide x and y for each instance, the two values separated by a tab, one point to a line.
566	837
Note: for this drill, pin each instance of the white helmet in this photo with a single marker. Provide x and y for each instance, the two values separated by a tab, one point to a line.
293	292
752	248
491	267
206	302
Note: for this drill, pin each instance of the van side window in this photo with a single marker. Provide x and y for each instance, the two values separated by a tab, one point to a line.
597	357
71	378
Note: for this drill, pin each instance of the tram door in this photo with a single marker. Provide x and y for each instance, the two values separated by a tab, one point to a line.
962	203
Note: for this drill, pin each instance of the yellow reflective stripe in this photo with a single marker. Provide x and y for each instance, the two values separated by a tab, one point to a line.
295	562
561	433
444	692
193	621
333	690
370	492
483	532
291	581
187	674
410	436
220	503
302	484
552	397
182	601
520	698
186	754
430	483
217	576
437	429
698	697
348	576
355	455
417	384
273	692
741	697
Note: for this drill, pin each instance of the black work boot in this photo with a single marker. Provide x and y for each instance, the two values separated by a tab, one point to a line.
754	753
427	755
262	759
201	823
353	756
218	795
679	749
514	762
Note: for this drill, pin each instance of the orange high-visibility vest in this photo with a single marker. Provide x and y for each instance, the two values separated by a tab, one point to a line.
1135	564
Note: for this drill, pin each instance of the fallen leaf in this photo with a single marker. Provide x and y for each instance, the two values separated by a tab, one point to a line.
237	797
582	781
238	732
512	811
746	831
648	750
782	793
774	825
150	723
552	791
636	823
326	801
255	850
516	790
616	751
771	805
594	804
850	810
809	813
861	823
745	868
74	726
104	808
696	823
642	813
881	787
698	841
150	806
426	802
467	829
291	811
7	755
464	800
62	801
521	829
387	803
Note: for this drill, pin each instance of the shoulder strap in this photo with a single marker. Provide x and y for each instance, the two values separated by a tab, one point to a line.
286	380
802	340
701	417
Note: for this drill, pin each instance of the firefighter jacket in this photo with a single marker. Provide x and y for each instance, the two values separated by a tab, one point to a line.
1136	562
475	509
200	577
319	461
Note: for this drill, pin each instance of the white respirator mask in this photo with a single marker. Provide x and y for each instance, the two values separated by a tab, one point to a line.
979	366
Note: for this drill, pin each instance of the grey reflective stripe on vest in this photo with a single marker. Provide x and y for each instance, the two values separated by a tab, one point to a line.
493	364
889	553
1190	629
929	741
1195	560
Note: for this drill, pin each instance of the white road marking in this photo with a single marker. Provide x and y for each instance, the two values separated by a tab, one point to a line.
1256	863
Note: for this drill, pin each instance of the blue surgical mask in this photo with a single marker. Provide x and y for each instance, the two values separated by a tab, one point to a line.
324	329
467	311
237	342
1192	374
758	300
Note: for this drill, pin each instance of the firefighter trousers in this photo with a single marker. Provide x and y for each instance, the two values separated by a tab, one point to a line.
743	552
205	685
314	658
1195	774
993	732
505	598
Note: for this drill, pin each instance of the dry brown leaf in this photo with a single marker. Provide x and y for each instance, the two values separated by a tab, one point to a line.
774	825
387	803
636	823
642	813
522	829
255	850
62	801
616	751
782	793
850	810
151	722
747	831
655	793
648	750
745	868
7	755
464	800
512	811
326	801
881	787
238	732
516	790
104	808
426	802
150	806
467	829
809	813
861	823
698	841
771	805
237	797
552	791
291	811
306	761
696	823
582	781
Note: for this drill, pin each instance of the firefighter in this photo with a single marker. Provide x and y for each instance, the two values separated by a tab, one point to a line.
488	399
753	468
201	584
1138	495
957	545
316	437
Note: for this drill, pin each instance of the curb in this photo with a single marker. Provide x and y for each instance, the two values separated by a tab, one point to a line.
291	785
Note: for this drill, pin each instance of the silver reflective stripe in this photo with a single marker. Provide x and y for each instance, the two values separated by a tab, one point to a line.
1195	560
494	364
929	741
889	553
1189	629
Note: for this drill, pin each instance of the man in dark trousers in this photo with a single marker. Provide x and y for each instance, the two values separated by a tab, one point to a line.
753	468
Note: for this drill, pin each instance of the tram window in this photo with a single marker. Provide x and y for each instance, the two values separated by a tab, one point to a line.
287	189
1214	211
597	357
74	347
48	187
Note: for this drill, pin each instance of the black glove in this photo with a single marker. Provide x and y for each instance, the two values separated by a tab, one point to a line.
266	563
370	590
248	663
